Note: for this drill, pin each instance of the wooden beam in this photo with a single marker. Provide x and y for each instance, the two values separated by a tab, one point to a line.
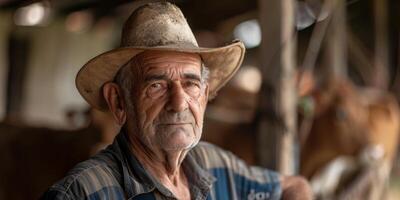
381	59
336	44
277	107
360	57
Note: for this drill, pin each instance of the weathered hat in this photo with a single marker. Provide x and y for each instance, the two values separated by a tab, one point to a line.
156	26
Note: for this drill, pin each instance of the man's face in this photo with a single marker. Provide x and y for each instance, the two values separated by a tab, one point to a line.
169	100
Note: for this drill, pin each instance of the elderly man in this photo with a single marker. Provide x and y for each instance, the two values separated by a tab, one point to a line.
157	85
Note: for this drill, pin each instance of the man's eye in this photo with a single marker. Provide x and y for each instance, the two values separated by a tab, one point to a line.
192	88
192	84
156	85
156	90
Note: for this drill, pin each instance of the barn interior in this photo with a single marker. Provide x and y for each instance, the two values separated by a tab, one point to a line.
317	94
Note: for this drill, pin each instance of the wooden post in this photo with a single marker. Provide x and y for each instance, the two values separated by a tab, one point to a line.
380	73
18	54
336	49
277	107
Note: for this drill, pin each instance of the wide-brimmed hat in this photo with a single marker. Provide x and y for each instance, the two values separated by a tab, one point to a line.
156	26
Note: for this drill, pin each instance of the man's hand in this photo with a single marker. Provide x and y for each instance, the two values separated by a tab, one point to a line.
295	188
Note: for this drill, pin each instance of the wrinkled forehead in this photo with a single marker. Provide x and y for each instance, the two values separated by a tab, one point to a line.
166	58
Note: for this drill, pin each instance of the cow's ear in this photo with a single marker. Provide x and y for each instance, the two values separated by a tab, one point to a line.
322	100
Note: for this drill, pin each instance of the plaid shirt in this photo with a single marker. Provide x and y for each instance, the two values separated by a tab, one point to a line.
213	174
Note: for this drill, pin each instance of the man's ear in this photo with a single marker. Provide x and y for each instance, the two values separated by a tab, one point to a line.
113	95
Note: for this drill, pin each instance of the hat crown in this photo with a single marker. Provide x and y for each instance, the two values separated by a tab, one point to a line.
157	24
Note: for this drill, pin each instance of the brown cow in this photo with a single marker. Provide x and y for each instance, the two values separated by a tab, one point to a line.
350	121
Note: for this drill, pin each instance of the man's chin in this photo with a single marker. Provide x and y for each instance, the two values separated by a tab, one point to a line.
179	145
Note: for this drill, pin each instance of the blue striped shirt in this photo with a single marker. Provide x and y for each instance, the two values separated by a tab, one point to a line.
212	173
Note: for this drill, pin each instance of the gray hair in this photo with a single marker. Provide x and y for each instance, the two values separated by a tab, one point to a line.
124	78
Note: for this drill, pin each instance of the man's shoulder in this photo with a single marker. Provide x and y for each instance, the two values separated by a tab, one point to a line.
227	167
94	170
205	150
99	173
212	156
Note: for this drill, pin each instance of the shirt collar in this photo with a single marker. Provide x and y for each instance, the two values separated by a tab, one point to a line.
200	180
137	181
135	178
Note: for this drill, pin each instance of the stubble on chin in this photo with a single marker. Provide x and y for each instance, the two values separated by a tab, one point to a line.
176	137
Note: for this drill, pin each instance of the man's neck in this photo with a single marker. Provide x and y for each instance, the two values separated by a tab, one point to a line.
164	166
162	163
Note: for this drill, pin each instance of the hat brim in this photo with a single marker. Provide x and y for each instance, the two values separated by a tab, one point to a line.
222	62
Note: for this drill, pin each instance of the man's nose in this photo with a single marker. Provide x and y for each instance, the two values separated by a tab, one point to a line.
177	100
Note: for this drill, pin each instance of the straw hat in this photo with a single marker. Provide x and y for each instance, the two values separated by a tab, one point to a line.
156	26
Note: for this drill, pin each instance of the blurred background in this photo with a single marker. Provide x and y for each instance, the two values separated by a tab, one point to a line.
317	94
